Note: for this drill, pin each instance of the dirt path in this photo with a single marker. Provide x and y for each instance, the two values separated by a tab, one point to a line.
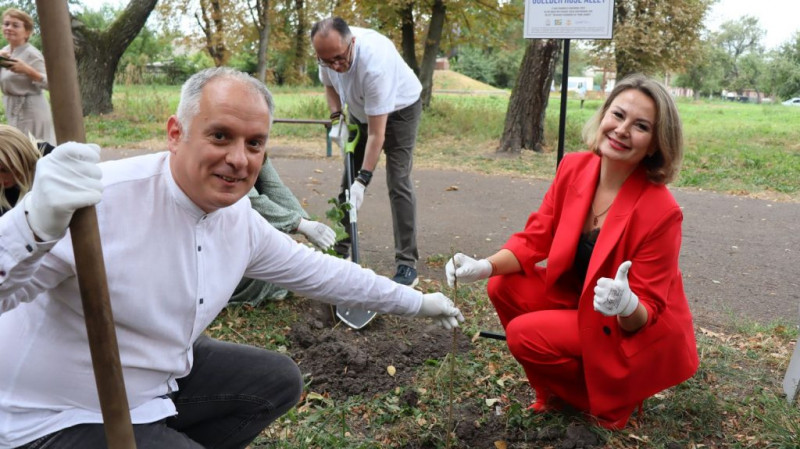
740	256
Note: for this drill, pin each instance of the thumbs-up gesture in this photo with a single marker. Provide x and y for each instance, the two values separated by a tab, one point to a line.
614	296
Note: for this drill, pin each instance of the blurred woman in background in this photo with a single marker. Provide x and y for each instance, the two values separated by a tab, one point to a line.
23	79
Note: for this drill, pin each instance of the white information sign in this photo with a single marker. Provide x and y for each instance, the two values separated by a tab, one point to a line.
569	19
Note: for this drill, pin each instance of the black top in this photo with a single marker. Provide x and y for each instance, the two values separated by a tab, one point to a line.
584	253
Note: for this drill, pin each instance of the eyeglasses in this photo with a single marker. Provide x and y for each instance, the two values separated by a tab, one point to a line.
339	60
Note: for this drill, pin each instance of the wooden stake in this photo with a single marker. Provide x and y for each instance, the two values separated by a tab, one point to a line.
62	76
453	351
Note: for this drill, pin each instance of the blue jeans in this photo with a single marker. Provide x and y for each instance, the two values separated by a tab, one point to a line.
232	393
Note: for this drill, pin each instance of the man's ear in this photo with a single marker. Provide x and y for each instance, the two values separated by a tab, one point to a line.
174	133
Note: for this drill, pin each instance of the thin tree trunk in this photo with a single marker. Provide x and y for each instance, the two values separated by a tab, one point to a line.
524	127
301	43
213	28
409	42
432	43
261	20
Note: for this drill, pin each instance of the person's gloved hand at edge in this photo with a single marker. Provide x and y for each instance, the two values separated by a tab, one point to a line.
319	234
338	133
466	269
614	296
441	309
66	180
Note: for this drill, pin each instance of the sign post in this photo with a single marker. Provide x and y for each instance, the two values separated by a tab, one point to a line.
568	19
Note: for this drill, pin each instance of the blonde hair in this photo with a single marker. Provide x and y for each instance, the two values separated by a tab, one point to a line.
18	155
26	19
664	164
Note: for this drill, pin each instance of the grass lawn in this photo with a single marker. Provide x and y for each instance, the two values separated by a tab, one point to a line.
744	149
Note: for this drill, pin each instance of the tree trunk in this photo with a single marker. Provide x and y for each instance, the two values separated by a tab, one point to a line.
97	54
261	20
432	42
409	42
524	127
301	43
214	30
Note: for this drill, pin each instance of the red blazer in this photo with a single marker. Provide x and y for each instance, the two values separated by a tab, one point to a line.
644	226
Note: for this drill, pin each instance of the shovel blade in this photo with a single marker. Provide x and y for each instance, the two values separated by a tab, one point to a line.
353	317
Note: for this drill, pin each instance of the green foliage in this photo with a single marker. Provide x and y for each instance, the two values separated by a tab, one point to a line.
335	215
496	67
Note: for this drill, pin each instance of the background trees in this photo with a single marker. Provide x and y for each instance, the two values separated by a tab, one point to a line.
481	39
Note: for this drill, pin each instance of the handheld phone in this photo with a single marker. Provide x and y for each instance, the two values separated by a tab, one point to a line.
6	62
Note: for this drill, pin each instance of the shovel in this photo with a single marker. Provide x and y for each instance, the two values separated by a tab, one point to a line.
354	317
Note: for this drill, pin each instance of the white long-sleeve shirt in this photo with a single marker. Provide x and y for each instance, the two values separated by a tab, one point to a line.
170	269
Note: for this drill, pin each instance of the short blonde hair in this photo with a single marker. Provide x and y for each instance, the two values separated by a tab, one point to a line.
664	164
15	13
18	154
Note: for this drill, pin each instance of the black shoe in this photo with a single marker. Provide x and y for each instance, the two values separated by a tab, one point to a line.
406	275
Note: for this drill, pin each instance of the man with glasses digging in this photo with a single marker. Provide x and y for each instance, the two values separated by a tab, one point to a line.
362	69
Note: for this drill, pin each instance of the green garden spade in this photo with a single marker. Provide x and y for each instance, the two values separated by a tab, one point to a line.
353	317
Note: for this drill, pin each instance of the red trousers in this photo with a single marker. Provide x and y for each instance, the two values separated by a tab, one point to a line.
542	334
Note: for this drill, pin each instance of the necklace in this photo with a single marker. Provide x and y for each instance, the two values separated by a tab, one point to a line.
596	215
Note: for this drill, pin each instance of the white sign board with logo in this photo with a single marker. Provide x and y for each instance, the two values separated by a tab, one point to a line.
569	19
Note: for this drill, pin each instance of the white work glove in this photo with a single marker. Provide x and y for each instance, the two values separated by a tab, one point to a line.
66	180
466	269
357	194
338	133
614	296
317	233
441	309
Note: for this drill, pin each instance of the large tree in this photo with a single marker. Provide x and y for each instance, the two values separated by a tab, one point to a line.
741	42
98	52
654	36
432	45
524	126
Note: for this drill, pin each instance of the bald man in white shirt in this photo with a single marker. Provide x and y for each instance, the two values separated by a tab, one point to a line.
362	69
178	234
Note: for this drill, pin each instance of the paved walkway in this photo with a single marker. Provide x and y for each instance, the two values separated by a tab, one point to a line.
740	256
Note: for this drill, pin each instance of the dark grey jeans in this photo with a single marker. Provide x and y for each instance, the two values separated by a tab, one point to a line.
232	393
398	146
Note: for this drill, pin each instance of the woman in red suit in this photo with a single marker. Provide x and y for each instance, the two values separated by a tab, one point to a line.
606	323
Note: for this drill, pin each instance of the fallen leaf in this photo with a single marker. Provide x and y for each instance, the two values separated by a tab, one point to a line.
500	444
391	370
451	188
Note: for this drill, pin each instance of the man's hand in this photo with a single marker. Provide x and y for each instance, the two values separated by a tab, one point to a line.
466	269
338	133
66	180
614	296
441	309
357	194
317	233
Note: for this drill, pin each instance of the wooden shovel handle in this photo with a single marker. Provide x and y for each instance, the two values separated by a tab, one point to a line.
65	101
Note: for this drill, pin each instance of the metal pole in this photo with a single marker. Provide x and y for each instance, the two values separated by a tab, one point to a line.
562	120
62	76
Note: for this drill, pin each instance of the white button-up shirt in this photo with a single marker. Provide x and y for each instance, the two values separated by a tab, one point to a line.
171	268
